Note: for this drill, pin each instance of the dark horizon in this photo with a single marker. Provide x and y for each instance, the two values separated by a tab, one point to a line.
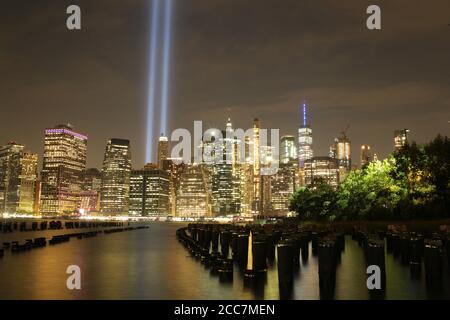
229	59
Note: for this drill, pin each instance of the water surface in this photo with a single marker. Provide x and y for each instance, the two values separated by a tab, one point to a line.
152	264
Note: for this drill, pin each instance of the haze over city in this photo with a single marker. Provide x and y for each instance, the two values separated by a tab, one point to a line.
229	59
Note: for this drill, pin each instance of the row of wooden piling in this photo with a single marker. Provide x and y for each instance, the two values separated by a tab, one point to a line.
221	245
218	246
11	226
23	226
411	248
40	242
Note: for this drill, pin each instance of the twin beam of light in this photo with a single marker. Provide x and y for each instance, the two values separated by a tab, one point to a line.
152	79
153	66
166	59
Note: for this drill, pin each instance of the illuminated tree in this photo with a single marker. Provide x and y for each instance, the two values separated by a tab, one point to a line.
412	183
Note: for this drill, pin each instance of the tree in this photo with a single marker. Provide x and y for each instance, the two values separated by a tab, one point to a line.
316	202
414	182
371	192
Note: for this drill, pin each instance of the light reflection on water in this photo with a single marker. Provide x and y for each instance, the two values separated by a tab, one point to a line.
151	264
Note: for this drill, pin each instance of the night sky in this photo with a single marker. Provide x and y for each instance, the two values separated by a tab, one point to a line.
236	58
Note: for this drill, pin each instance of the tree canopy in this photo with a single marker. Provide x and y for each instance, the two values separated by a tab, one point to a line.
414	182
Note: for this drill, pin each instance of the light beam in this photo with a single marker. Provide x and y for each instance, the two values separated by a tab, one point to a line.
152	79
166	65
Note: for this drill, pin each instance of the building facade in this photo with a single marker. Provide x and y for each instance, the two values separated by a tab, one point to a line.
193	199
288	149
150	192
255	154
283	185
163	150
115	187
365	155
322	169
90	199
18	176
305	140
62	170
174	168
400	138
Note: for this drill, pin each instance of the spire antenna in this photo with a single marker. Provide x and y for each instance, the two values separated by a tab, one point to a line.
304	113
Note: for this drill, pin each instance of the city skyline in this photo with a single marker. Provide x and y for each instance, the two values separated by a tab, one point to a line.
239	173
269	65
168	145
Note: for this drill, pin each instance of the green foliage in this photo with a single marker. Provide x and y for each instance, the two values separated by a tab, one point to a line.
314	203
412	183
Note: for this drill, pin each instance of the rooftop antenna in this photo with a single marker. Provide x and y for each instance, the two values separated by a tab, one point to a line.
345	130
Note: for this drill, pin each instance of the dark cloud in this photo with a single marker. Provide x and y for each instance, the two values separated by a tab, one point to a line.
238	58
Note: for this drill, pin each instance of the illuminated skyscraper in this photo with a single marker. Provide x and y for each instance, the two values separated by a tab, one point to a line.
90	198
37	197
62	170
366	155
174	168
375	157
223	174
28	181
400	138
333	151
322	169
10	155
115	189
163	150
283	185
246	179
256	206
193	200
341	151
305	140
288	149
344	152
269	166
18	175
149	192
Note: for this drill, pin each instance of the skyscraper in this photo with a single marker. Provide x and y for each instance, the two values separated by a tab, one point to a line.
305	140
322	169
115	188
288	149
28	181
193	200
283	185
90	198
366	155
246	179
343	152
18	175
63	164
333	151
343	155
269	166
223	174
163	150
149	192
256	206
174	167
400	138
